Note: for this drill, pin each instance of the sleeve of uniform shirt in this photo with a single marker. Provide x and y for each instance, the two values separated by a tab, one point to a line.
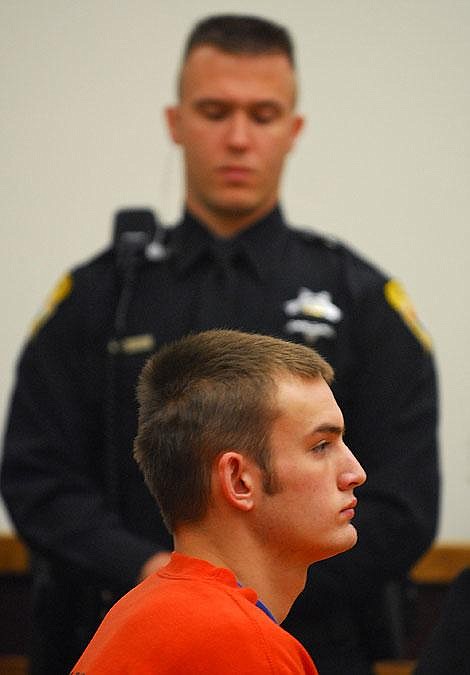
391	425
53	453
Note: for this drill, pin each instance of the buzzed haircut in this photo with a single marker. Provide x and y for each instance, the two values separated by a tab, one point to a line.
205	394
241	34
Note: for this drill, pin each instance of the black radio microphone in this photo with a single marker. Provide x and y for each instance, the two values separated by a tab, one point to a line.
137	238
135	232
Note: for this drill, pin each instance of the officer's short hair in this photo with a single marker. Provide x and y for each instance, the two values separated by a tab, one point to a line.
241	34
238	34
204	394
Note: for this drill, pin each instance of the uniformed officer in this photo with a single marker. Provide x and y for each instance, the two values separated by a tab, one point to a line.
68	477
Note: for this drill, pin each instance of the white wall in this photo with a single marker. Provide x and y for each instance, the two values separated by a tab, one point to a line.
384	161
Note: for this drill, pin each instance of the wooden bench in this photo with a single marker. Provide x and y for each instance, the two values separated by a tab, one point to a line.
432	574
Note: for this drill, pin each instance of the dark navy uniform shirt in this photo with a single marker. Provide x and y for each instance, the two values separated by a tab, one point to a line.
73	414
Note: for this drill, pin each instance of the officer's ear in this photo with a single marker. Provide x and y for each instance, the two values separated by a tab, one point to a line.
173	120
298	123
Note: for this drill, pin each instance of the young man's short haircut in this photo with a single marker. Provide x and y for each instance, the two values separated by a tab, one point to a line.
205	394
241	34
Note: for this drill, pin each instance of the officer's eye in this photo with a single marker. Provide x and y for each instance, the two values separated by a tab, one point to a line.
213	110
265	113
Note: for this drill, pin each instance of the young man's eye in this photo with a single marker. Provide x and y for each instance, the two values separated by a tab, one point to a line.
320	447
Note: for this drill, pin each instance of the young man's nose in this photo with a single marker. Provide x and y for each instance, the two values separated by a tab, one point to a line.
353	474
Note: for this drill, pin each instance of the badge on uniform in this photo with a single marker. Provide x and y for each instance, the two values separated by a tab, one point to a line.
312	305
399	300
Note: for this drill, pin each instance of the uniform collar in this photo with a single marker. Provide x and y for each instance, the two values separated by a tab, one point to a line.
261	244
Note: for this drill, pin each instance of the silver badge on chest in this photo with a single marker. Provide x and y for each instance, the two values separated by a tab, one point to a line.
311	310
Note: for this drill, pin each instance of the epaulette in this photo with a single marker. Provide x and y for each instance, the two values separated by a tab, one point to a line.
105	255
322	238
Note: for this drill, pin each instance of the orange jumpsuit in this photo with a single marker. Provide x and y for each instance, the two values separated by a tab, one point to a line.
194	618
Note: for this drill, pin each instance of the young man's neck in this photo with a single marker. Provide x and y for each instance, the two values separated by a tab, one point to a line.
276	583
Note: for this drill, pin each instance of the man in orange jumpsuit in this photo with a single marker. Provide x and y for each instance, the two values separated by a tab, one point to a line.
240	441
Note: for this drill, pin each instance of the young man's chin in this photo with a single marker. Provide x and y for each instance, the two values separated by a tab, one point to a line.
344	545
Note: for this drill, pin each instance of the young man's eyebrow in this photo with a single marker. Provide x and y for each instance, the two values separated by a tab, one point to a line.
330	429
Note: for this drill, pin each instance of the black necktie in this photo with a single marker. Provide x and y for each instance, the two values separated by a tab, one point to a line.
219	286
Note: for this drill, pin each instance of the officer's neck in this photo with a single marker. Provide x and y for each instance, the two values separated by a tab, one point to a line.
225	223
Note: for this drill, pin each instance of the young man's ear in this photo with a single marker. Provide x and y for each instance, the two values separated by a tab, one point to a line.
236	479
172	115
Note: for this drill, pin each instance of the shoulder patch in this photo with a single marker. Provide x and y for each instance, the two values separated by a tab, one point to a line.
399	300
60	292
